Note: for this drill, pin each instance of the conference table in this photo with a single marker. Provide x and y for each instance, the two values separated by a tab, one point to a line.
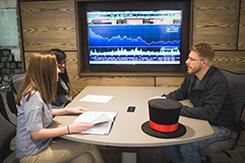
126	130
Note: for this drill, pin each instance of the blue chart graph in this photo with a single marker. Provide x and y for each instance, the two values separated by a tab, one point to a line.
108	42
137	35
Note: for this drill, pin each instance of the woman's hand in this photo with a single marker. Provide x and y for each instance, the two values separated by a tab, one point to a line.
68	110
79	127
76	110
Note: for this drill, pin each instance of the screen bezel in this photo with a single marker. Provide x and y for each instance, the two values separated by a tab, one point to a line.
82	28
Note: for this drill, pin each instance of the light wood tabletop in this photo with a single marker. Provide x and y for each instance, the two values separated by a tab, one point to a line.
126	130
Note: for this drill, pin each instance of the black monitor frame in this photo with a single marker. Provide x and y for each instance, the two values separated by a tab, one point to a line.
83	6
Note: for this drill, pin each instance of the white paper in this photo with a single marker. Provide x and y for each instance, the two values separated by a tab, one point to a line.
102	121
96	98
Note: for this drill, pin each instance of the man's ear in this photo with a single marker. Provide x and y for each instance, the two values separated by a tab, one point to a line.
204	62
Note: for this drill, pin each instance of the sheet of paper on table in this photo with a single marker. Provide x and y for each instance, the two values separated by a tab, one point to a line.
96	98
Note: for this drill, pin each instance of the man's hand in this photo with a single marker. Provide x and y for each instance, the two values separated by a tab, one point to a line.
157	97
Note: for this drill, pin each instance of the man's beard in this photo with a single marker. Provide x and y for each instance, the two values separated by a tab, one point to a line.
192	71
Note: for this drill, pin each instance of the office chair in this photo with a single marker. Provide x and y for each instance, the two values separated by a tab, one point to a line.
15	84
8	132
10	96
237	87
17	81
8	107
2	108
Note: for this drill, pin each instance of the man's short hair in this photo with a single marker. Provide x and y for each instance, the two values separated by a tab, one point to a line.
204	50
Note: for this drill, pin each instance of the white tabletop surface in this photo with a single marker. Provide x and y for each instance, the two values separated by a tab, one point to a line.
126	130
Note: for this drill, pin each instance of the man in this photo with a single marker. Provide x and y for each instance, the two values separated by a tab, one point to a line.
207	89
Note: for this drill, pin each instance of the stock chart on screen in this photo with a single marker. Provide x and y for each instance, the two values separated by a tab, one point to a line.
134	37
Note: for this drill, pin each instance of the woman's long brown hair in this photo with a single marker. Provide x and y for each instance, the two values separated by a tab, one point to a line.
41	76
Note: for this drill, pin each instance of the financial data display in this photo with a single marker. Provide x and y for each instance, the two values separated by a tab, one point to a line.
134	37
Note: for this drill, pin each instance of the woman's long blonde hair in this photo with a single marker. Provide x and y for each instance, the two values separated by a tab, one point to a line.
41	76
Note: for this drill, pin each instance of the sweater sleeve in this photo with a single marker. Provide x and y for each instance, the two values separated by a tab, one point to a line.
181	93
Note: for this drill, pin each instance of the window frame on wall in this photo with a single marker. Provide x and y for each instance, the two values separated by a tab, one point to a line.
12	58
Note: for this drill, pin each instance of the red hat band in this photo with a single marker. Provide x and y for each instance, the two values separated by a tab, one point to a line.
163	128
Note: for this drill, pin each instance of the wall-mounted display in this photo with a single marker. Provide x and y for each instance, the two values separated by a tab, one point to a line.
131	36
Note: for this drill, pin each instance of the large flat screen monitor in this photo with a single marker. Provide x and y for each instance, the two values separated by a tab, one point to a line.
129	36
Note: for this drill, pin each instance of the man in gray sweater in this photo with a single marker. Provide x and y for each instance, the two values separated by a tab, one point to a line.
206	87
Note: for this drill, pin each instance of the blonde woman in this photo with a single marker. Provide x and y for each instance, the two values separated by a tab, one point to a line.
34	141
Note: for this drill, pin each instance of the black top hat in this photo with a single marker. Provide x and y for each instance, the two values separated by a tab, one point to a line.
164	116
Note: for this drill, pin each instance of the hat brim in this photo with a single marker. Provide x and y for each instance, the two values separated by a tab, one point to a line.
179	132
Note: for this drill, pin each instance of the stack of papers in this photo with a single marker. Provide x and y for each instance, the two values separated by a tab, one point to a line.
102	121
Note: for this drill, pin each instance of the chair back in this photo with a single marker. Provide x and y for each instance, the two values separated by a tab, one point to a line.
7	131
236	84
15	84
10	95
2	108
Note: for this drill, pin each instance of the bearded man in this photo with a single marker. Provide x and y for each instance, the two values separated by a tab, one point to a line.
207	89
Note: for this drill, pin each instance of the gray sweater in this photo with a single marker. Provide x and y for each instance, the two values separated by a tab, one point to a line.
211	98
